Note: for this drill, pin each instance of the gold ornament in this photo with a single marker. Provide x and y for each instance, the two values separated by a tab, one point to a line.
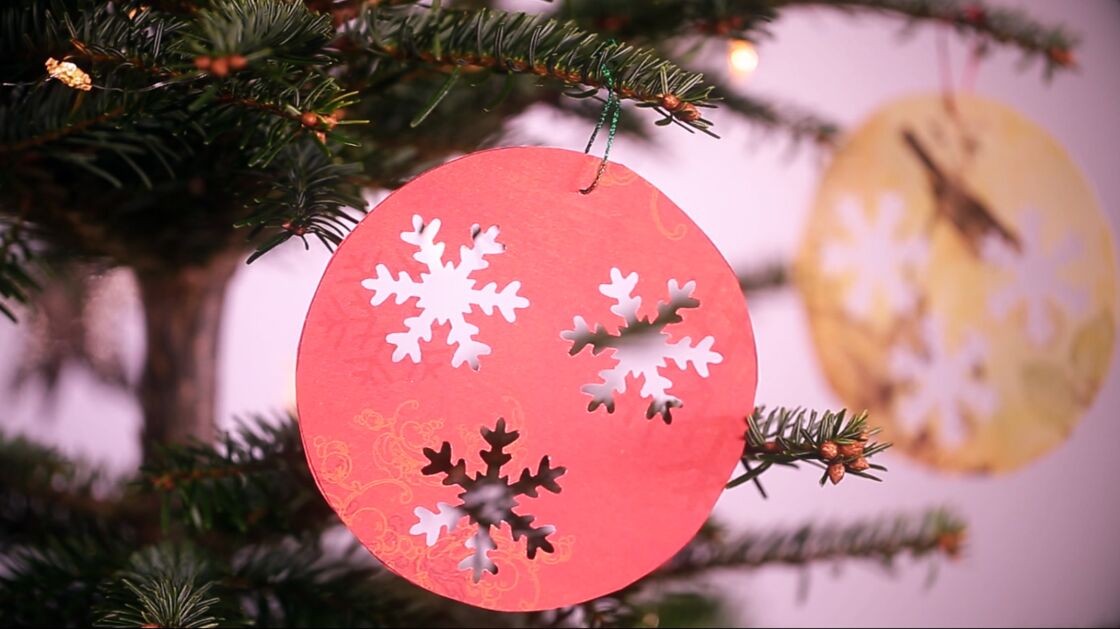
960	281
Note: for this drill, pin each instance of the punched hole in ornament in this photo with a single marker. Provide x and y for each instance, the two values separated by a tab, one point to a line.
641	347
487	501
445	295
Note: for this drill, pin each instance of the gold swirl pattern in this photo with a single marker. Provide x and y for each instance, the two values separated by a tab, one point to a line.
617	177
397	454
677	232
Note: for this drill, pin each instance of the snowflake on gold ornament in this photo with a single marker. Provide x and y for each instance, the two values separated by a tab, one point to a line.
876	255
1035	282
488	500
943	382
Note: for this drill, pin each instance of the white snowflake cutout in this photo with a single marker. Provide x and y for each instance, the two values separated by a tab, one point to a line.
641	348
445	293
479	560
944	383
876	255
431	524
1035	280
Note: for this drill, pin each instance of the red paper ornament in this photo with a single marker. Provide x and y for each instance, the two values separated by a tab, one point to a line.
520	396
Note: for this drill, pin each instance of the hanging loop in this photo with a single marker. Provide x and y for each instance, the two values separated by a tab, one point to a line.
612	109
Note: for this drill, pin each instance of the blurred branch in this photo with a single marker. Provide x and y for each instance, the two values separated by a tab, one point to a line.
655	21
16	282
651	22
351	589
799	124
44	495
54	581
256	479
256	486
938	531
764	278
992	23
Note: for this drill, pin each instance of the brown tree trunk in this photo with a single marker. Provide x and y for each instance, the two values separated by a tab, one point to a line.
183	313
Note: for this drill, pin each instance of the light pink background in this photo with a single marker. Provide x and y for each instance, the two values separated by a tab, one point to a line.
1042	547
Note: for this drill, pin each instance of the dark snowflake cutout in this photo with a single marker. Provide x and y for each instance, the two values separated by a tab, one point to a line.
642	348
488	500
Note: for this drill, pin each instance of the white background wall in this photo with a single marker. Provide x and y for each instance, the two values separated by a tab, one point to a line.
1042	546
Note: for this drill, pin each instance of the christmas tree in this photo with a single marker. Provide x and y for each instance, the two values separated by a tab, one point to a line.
181	139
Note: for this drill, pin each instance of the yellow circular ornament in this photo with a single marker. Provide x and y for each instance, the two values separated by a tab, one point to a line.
960	281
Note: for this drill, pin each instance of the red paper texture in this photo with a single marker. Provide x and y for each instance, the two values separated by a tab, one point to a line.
634	489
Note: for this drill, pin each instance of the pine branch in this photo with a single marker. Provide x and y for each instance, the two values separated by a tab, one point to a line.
470	117
35	114
162	586
45	496
274	82
935	532
98	37
16	281
284	31
54	582
32	30
255	480
190	98
837	442
268	115
304	193
99	133
518	43
1007	26
255	486
61	132
350	588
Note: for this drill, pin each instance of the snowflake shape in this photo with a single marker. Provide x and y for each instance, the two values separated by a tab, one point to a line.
445	293
1035	279
877	255
488	499
943	382
641	347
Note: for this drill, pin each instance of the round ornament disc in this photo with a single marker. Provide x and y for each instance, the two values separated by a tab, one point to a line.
520	396
960	280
